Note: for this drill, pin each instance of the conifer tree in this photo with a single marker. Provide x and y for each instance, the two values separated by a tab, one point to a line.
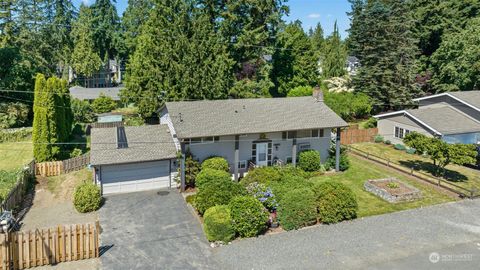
334	56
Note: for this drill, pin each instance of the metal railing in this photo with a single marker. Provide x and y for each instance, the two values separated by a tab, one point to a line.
414	171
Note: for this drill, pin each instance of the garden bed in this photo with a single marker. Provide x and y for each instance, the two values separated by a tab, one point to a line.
392	190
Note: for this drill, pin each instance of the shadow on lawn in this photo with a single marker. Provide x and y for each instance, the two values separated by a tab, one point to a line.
428	167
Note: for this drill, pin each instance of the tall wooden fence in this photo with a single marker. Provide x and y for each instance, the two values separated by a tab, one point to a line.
16	194
351	136
54	168
21	250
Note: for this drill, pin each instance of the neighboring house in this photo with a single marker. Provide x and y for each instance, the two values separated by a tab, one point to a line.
252	132
352	65
109	75
128	159
90	94
109	117
454	117
246	132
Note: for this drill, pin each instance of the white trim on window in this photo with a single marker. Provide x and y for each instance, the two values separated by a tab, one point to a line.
242	164
400	133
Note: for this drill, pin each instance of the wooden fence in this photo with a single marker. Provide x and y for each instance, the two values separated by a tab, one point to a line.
21	250
351	136
16	194
54	168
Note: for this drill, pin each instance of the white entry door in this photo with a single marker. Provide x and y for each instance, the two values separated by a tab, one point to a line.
262	149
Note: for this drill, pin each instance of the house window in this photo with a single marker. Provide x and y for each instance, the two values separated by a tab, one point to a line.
322	133
314	132
208	139
242	164
401	132
289	160
303	146
307	133
203	140
195	140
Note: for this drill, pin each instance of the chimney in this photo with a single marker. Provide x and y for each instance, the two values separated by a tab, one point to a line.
317	94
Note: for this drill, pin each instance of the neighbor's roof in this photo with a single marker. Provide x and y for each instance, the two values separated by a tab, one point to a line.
442	120
145	143
470	98
83	93
193	119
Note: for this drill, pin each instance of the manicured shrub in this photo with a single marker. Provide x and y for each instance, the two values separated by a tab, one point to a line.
190	199
208	175
217	192
263	194
411	151
388	142
192	168
290	170
344	161
87	197
335	202
218	224
264	175
297	209
216	163
249	216
400	147
103	104
378	138
309	160
288	183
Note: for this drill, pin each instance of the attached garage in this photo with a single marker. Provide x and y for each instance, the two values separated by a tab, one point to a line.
135	177
130	159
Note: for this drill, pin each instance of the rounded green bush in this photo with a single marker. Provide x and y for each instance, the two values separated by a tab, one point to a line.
309	160
87	197
378	139
411	151
288	183
289	170
335	202
216	163
217	192
208	175
262	175
388	142
297	209
218	224
400	147
249	216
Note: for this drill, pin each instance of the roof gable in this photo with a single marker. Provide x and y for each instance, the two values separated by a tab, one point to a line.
469	98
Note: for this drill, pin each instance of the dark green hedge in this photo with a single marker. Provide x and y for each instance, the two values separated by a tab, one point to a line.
335	202
216	163
218	224
297	209
249	216
217	192
208	175
309	160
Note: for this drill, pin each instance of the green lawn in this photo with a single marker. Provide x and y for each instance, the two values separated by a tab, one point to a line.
459	175
369	204
13	155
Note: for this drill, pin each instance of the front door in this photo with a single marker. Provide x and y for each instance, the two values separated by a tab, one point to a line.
262	152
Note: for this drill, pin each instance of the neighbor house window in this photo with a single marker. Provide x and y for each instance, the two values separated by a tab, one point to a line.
242	164
401	132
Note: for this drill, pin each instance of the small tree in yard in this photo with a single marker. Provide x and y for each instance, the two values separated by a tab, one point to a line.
441	153
103	104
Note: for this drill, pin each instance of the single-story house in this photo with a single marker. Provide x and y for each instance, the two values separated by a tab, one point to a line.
454	117
127	159
246	132
252	132
109	117
91	94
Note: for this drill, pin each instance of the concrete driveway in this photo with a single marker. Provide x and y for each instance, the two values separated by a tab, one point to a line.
152	230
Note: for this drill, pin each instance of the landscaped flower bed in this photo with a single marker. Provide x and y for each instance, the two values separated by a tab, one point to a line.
392	190
268	198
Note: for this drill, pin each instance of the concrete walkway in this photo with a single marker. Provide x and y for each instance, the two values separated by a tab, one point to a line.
439	237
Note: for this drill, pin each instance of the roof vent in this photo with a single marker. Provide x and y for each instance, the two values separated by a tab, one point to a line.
121	138
317	94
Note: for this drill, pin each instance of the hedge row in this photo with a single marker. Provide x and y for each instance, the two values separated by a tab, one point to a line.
15	134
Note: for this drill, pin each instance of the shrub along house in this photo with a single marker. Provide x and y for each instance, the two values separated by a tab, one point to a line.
252	132
454	117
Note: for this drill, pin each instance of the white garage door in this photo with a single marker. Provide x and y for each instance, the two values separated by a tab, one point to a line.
135	177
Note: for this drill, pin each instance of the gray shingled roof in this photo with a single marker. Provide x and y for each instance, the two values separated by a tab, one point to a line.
446	120
470	97
193	119
145	143
83	93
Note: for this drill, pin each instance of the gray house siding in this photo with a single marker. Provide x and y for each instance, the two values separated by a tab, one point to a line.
386	127
281	148
446	100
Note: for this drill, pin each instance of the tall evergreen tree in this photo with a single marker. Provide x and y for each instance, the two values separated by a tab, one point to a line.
178	56
85	59
334	56
106	29
317	37
59	31
384	44
295	60
134	17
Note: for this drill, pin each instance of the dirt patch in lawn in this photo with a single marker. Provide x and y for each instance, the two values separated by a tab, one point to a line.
52	202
